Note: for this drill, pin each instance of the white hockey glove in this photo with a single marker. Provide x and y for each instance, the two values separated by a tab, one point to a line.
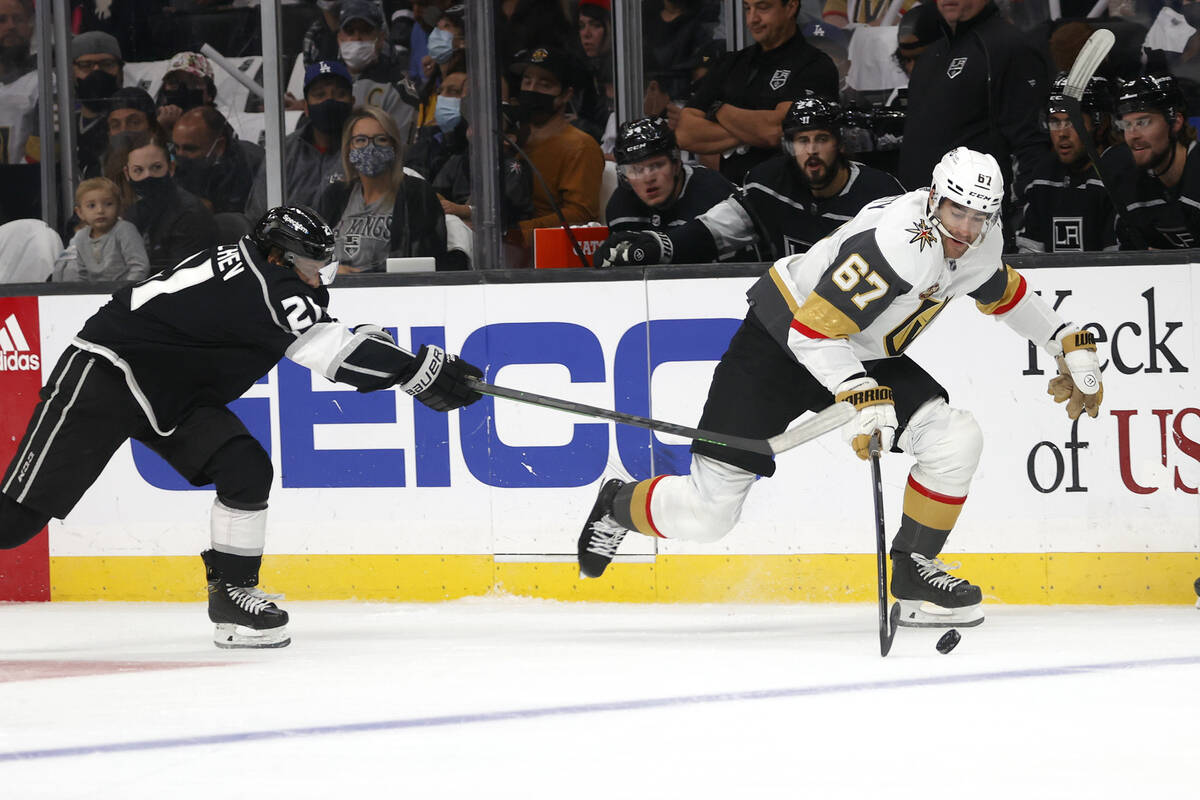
439	379
876	412
1078	381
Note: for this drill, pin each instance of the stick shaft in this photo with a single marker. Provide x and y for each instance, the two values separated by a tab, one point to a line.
885	628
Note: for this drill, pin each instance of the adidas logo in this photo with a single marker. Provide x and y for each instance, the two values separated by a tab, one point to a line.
14	349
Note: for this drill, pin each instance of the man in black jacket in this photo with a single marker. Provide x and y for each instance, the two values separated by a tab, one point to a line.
160	361
982	86
738	106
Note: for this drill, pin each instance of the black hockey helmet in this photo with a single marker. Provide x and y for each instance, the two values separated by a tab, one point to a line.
304	237
1096	100
1150	93
645	138
812	112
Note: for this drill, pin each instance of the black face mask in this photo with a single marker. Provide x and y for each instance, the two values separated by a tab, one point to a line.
185	98
536	107
151	191
195	174
95	90
329	116
120	141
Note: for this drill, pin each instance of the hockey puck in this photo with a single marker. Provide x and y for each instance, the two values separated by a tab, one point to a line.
949	641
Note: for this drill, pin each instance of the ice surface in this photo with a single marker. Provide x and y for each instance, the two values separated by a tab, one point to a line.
505	697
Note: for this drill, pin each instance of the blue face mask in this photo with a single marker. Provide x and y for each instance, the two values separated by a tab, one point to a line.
372	160
440	45
448	113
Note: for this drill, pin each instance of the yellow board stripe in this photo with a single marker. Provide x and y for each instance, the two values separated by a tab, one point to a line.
1037	578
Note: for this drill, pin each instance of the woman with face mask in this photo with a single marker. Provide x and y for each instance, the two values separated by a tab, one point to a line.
380	210
174	223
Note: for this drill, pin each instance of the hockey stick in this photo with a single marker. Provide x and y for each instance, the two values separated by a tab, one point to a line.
1094	51
887	623
825	420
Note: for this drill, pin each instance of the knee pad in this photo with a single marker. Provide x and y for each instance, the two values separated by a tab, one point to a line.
704	505
946	443
18	523
242	472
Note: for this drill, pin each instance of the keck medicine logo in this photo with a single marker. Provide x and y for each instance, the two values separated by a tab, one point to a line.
15	355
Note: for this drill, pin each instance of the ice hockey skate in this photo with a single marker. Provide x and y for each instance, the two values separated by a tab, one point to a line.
601	535
244	616
930	597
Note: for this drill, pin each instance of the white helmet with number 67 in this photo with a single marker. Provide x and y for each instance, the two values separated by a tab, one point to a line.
972	180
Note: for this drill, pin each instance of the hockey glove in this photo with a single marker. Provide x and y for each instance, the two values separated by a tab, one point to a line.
876	412
634	249
1078	381
439	379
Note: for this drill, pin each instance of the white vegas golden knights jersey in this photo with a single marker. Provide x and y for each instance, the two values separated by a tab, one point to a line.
18	117
867	290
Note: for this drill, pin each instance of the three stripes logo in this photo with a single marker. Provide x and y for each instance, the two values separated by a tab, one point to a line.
15	354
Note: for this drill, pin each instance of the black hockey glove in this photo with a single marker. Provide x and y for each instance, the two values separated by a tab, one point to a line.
438	379
634	249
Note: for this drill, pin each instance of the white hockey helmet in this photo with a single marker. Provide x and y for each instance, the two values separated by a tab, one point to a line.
972	180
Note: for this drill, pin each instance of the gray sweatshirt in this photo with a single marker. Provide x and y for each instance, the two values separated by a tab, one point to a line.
119	255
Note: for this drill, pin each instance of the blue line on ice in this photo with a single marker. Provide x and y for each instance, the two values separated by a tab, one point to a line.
593	708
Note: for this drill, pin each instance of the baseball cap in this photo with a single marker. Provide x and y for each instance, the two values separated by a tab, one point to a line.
95	43
326	69
556	61
368	10
826	36
132	97
191	63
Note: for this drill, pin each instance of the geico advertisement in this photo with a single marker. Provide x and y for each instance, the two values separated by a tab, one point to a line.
379	473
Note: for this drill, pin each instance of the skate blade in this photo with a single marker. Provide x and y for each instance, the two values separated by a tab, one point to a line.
229	636
922	614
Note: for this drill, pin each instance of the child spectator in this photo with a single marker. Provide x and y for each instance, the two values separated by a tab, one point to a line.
106	247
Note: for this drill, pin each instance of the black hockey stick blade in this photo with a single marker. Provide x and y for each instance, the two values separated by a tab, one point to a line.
887	623
824	421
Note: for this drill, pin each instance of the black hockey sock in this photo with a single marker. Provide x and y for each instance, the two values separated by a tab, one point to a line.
18	523
623	505
913	537
230	568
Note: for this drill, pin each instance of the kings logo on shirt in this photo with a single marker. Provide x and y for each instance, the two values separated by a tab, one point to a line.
15	352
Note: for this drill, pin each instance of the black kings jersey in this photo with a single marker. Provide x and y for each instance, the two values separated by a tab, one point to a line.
1066	211
1166	218
702	189
205	330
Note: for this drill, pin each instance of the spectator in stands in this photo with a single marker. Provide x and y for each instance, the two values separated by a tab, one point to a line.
130	110
320	40
1067	208
174	223
133	23
211	161
447	135
379	79
837	12
106	247
18	87
657	190
673	32
188	82
917	30
98	69
595	37
446	54
982	86
312	156
379	210
28	248
787	204
1157	170
569	161
16	34
833	42
737	109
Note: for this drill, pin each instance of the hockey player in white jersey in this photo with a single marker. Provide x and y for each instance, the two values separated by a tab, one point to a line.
160	361
834	323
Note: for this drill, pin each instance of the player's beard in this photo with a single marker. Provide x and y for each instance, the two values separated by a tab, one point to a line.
824	176
1159	161
13	52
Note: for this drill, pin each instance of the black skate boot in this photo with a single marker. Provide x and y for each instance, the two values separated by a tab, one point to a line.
244	615
601	533
932	598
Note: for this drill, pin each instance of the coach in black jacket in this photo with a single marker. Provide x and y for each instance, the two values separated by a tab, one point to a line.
982	85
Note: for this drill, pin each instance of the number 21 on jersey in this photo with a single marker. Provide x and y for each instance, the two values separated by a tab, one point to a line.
852	272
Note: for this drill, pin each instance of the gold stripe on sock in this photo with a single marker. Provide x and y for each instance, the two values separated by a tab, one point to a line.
639	507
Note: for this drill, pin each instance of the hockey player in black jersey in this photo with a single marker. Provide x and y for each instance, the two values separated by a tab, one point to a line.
1067	208
1158	168
787	203
835	323
160	361
657	191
